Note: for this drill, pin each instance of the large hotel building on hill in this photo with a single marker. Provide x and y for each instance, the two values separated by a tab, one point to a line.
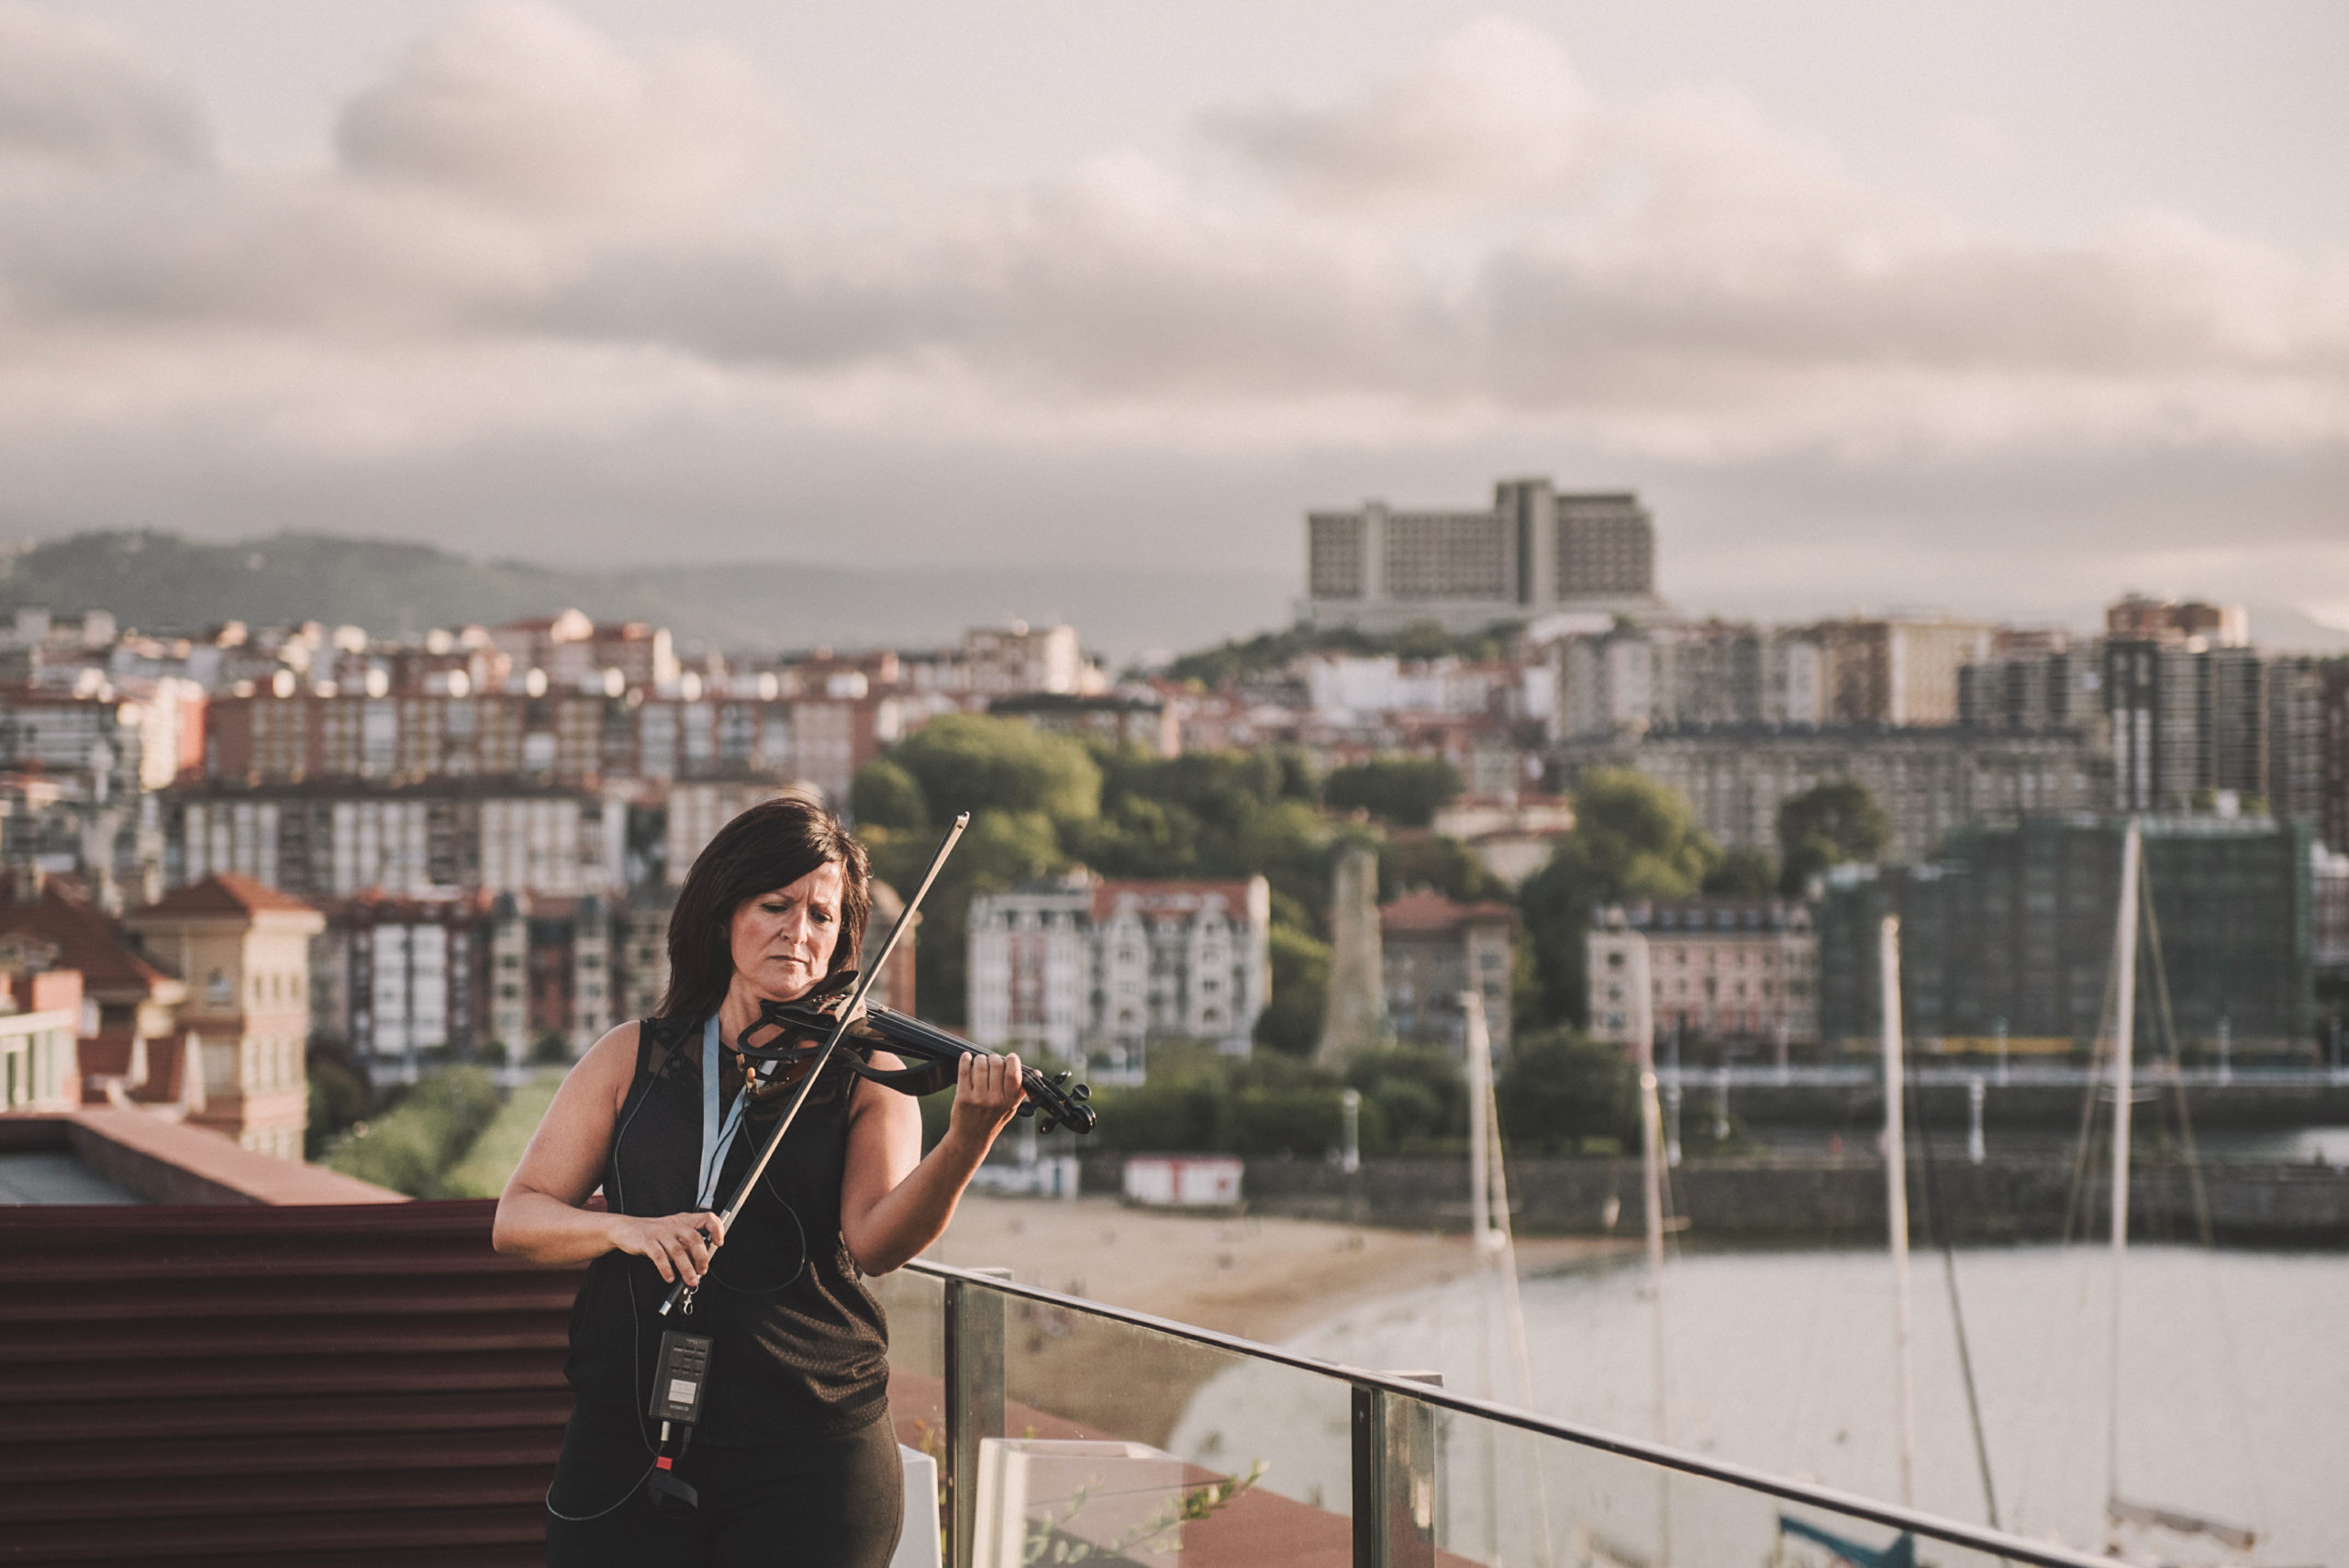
1532	553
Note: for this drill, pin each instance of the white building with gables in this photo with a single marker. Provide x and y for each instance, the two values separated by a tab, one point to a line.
1079	970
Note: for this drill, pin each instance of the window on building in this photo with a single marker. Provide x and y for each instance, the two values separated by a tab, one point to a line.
218	989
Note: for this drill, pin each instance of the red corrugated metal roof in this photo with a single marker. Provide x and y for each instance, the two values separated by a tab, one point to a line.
365	1384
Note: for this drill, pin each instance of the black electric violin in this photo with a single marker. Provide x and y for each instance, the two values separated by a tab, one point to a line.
795	1031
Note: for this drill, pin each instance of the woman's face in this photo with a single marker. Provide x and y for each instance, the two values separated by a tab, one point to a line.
783	942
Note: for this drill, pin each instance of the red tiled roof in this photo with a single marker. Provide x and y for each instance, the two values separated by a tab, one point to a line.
1422	909
222	894
85	940
1166	895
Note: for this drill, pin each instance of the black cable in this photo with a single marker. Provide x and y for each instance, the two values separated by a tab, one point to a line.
1956	1310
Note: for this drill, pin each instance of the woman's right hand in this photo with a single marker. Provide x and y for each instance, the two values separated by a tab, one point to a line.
677	1244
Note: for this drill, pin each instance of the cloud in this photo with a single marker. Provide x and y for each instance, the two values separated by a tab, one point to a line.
1496	113
519	105
79	95
534	241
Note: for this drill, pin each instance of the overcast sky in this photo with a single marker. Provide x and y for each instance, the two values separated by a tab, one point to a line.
2001	307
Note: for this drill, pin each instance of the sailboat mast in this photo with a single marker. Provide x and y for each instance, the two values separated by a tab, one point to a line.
1503	1267
1481	1240
1480	1102
2124	1037
1650	1155
1652	1190
1896	1193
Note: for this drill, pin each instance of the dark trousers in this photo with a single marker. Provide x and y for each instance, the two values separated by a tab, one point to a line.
834	1503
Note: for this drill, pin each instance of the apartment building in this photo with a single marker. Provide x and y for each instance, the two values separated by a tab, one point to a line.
127	739
1632	677
40	1012
129	1046
302	735
2038	691
1081	970
1897	670
2008	937
1929	781
328	841
1534	551
242	952
1739	973
1432	950
2307	745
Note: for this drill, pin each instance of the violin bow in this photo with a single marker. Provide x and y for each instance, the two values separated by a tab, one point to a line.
680	1291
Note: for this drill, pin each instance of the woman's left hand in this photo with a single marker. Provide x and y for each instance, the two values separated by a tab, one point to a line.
987	1095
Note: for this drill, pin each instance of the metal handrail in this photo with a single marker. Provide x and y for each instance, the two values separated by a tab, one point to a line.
1995	1543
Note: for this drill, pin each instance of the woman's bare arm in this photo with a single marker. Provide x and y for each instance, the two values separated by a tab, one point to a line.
893	1200
539	1215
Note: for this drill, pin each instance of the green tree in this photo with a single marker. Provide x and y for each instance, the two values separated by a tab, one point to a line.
968	762
1291	1021
1834	824
1632	838
1743	872
1559	1087
411	1149
884	795
1293	847
1405	790
339	1096
1445	865
1000	850
1411	1095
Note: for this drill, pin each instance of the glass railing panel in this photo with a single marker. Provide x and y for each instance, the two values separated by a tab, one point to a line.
916	1306
1512	1498
1122	1444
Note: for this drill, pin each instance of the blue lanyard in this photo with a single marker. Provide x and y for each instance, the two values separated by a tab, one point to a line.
716	1140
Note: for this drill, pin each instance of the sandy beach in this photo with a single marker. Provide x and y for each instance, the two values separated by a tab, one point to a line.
1260	1278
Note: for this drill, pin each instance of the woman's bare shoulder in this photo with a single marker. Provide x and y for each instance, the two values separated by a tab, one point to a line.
609	1066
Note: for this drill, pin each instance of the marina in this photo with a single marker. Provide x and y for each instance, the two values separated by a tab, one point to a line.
1784	1359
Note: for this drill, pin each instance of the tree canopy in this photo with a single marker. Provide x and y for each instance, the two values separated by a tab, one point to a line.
968	762
1405	790
1559	1087
1632	838
1836	823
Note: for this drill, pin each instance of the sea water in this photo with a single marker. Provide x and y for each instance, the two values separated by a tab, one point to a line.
2234	1396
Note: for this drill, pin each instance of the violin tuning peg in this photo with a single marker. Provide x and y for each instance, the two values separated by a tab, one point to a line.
1027	1107
1082	1091
1059	1080
1046	1124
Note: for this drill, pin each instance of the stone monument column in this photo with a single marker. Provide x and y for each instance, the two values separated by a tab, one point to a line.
1355	1017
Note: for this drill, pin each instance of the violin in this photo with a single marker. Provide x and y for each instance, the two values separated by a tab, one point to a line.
801	1026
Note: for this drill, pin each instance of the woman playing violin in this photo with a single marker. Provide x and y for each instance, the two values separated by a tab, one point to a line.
793	1456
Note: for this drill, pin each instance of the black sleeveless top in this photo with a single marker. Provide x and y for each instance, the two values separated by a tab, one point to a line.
802	1348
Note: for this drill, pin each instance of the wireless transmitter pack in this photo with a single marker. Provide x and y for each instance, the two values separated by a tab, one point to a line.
679	1379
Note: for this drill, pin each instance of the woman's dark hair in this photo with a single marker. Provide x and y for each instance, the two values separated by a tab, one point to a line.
772	845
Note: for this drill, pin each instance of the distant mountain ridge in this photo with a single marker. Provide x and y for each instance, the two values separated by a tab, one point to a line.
157	581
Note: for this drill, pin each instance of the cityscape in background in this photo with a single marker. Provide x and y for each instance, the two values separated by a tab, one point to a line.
261	845
1639	712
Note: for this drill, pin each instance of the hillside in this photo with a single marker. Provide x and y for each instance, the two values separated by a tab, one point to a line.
156	581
